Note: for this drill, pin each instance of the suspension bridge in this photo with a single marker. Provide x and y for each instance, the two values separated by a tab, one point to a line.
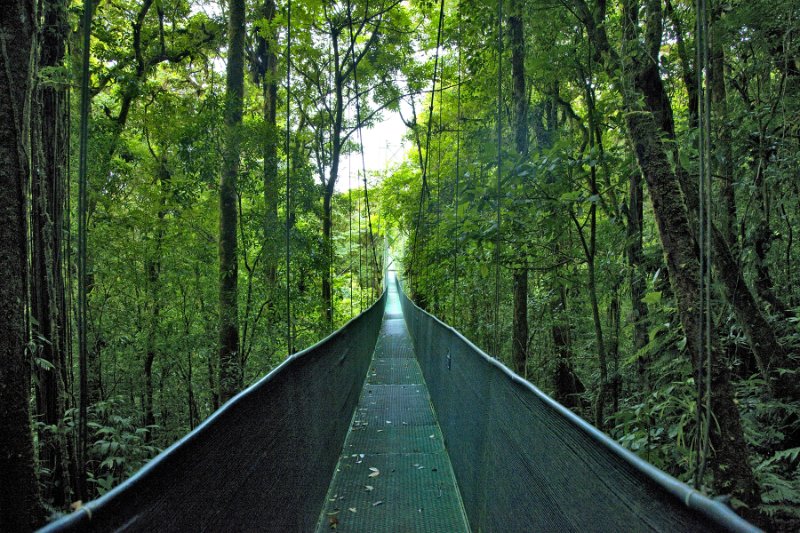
398	423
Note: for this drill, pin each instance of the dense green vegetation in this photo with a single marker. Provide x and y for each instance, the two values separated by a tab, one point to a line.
568	183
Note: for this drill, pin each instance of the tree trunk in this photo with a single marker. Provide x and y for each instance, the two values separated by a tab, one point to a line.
153	276
613	347
637	275
267	75
646	125
519	349
567	385
519	341
327	228
600	399
190	399
230	367
20	505
590	249
330	186
723	147
762	236
48	306
730	464
645	81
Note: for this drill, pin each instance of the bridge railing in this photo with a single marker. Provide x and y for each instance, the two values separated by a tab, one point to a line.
263	461
525	463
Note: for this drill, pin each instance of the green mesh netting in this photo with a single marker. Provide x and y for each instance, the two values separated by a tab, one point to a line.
525	463
263	462
451	432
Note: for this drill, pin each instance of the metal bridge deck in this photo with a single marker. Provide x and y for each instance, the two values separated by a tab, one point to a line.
394	474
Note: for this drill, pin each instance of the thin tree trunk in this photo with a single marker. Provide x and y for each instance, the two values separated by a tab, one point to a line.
153	276
230	367
519	350
20	505
639	312
327	228
613	347
267	76
589	249
519	342
330	186
567	385
763	235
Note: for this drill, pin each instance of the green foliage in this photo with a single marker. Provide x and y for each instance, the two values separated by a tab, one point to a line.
119	444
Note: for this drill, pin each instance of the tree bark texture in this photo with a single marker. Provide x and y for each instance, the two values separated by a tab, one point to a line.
723	143
20	506
230	367
50	141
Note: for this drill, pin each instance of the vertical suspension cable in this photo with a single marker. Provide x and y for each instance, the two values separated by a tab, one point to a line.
458	170
328	240
438	187
288	174
499	173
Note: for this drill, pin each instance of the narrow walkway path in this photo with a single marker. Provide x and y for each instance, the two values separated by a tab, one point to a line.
394	474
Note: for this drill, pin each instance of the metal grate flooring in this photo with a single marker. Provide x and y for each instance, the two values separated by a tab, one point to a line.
394	474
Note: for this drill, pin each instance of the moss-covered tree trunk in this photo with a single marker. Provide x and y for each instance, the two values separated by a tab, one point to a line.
648	89
731	466
724	167
20	507
230	366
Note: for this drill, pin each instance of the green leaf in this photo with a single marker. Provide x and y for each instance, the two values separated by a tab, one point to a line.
652	298
43	363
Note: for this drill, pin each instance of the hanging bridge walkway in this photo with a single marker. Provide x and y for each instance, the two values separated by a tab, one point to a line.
397	423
